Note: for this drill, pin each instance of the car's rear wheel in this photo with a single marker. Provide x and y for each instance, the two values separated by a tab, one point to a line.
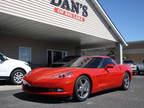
17	76
82	88
126	81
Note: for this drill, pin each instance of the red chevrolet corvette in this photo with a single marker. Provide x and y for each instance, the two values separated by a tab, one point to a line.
79	78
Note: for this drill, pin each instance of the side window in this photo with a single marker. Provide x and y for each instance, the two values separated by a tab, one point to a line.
106	62
1	58
94	63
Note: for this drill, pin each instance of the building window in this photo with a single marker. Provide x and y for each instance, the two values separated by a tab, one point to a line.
58	55
55	56
25	54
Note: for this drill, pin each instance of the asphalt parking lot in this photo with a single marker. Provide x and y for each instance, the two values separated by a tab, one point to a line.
12	97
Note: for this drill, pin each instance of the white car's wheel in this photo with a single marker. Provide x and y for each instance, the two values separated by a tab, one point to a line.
17	76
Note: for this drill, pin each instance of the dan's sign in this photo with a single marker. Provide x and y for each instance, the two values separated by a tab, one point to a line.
71	9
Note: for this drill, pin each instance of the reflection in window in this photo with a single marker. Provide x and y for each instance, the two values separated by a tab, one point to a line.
1	58
106	62
25	54
84	62
58	55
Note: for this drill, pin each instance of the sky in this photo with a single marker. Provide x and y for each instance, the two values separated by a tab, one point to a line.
128	17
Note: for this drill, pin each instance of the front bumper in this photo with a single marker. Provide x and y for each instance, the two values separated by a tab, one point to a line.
50	88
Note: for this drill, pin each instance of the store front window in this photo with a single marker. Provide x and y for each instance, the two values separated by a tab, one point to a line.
55	56
59	55
25	54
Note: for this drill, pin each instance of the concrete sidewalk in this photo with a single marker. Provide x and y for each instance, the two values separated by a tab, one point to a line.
10	87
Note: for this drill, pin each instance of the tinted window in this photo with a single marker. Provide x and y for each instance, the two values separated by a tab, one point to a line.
94	63
69	58
78	62
84	62
1	57
106	62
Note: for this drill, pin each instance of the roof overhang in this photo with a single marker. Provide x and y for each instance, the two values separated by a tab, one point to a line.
17	27
118	35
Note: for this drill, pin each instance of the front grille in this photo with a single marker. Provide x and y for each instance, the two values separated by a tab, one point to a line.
37	89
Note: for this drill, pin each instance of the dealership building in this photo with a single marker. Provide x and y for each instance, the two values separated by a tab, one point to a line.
135	52
43	31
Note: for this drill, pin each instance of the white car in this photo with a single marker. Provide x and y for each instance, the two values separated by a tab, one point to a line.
140	68
13	70
132	65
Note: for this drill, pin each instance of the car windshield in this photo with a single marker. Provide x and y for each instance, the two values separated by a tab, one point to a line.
68	58
84	62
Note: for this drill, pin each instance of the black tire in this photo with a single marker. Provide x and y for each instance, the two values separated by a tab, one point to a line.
126	81
138	71
82	88
17	76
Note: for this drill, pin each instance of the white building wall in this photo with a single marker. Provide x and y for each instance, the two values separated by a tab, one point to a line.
43	11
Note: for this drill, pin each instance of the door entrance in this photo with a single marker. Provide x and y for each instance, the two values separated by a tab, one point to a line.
55	56
49	57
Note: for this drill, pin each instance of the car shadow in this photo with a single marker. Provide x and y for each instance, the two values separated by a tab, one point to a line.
55	100
4	82
105	92
41	98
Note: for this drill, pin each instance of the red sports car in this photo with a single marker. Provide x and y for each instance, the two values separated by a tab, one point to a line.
79	78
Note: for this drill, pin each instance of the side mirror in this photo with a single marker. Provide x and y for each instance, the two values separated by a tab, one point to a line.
109	66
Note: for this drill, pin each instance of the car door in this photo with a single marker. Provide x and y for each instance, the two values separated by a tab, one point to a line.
113	73
100	76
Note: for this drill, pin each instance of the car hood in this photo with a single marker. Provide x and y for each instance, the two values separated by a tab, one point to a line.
16	61
46	73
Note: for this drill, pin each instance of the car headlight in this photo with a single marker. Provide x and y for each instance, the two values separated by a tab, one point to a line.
63	75
27	64
26	83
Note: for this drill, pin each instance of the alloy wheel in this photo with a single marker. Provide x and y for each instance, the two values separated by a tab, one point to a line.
18	76
126	81
83	88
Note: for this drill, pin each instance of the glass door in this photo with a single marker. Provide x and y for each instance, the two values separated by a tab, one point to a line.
55	56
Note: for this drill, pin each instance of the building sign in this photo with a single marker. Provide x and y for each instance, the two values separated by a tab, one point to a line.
71	9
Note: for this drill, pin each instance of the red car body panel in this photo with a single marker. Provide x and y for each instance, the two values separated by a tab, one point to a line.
101	79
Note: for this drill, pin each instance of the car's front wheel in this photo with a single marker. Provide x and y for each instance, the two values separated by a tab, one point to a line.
126	81
82	88
17	76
